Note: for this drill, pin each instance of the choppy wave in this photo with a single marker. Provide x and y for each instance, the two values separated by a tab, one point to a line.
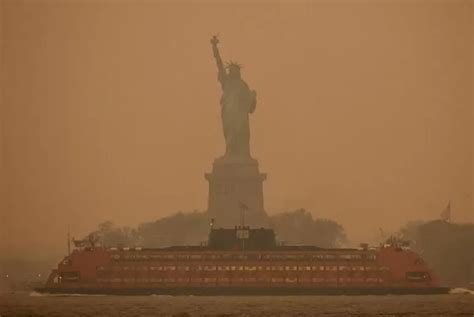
459	290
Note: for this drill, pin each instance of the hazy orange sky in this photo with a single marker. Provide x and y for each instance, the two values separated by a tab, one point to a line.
110	111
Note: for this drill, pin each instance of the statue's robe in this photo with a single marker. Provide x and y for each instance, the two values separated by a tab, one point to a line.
237	102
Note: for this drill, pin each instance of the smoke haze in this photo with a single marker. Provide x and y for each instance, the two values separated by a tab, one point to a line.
110	111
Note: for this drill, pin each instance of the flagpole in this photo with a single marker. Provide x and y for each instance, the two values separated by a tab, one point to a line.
68	240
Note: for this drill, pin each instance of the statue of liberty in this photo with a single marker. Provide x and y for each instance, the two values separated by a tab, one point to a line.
237	102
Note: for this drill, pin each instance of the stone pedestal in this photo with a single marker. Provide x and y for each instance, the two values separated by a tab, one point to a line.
233	182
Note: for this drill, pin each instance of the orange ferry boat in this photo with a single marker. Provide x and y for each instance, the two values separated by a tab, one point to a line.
243	261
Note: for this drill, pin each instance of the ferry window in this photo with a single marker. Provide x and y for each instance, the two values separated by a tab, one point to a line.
240	268
100	268
69	276
330	257
417	276
223	280
156	268
182	280
209	280
196	257
371	257
260	268
196	280
221	268
345	256
304	268
156	279
232	268
268	268
169	280
371	280
356	257
241	257
170	268
291	280
318	257
183	268
183	256
331	280
250	268
250	279
317	279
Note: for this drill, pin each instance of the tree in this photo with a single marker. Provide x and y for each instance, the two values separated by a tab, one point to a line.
299	227
109	235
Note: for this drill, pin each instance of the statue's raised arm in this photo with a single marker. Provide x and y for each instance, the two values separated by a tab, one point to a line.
217	55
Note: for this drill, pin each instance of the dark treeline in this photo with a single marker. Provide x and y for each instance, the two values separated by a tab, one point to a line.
447	247
296	227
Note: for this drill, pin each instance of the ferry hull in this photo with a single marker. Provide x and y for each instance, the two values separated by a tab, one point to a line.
221	291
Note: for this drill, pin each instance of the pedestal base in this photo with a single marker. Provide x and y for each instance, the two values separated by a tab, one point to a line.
236	186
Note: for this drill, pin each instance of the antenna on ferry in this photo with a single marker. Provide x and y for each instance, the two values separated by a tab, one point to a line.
243	208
